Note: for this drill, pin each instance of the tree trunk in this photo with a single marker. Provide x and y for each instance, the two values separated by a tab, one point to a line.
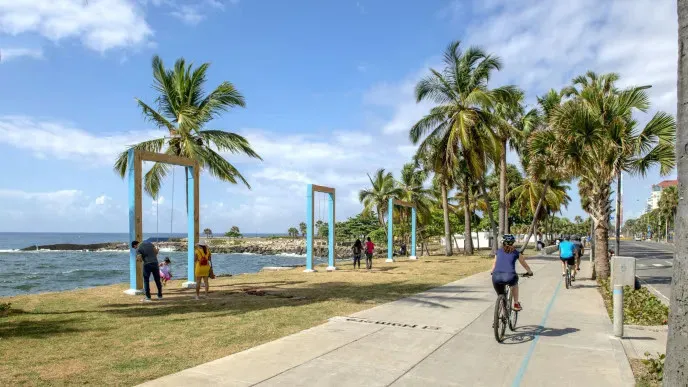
602	250
535	217
676	364
618	214
468	237
502	191
592	249
493	225
507	223
447	232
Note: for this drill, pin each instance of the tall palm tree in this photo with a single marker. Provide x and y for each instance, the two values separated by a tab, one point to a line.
411	183
675	372
598	138
183	111
458	127
376	198
668	203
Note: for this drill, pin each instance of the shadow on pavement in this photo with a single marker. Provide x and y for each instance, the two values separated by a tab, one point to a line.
528	333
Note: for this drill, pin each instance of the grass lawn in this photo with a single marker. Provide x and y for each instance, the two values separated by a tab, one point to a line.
102	336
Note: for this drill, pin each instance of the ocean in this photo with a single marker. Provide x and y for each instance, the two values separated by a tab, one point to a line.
48	271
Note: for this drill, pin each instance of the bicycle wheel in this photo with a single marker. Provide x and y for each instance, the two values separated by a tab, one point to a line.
500	318
568	277
512	313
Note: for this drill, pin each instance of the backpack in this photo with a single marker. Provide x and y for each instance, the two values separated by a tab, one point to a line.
203	261
357	250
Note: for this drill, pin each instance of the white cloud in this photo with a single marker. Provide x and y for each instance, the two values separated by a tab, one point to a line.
62	141
7	54
101	25
188	14
102	199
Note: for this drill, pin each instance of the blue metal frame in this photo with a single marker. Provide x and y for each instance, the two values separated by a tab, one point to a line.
310	190
330	231
390	231
191	242
132	218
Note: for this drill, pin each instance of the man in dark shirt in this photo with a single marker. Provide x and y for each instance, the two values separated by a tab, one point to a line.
147	253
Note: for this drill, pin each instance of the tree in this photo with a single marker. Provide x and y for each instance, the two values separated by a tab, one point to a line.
598	138
458	128
668	203
303	228
411	184
293	232
208	232
234	232
675	370
183	111
376	198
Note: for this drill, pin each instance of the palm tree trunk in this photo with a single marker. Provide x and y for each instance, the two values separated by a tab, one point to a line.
618	214
666	229
502	190
468	237
535	217
447	232
490	215
592	248
507	223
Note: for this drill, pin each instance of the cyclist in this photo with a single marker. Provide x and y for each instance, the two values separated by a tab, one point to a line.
578	251
566	254
504	268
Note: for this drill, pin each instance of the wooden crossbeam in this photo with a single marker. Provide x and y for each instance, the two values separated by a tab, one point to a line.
403	203
320	188
167	159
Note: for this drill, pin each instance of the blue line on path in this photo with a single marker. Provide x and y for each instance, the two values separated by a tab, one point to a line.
524	365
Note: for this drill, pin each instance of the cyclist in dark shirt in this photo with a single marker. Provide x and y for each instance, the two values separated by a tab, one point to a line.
504	268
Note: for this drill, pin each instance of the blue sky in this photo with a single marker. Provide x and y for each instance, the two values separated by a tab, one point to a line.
328	87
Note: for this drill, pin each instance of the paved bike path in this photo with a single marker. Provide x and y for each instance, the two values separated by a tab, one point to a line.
442	337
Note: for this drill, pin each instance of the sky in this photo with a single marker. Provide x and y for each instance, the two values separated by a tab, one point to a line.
328	88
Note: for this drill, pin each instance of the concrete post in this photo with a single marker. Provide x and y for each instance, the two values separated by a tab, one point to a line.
191	240
309	229
132	223
390	230
330	234
618	310
413	233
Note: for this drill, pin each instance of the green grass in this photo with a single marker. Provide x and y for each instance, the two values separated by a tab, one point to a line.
101	336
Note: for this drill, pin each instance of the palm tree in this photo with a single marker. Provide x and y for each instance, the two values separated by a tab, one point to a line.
208	232
411	184
303	228
668	203
183	111
293	232
376	198
458	127
598	138
675	372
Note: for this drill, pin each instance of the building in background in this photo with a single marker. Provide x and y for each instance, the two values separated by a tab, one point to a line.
656	194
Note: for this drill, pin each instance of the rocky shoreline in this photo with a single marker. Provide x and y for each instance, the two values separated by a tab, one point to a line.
260	246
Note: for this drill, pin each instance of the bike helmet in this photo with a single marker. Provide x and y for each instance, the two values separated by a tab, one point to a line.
508	239
567	237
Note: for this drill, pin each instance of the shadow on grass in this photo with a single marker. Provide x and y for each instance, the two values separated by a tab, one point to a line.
528	333
39	328
234	299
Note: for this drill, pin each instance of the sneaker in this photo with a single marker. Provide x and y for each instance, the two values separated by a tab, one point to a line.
517	306
146	300
196	298
573	278
159	297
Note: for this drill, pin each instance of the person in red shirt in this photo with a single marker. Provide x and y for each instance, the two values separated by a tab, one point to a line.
369	249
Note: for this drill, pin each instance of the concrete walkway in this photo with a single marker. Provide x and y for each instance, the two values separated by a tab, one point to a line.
442	337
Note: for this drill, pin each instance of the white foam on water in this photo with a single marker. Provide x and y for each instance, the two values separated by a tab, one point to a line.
291	255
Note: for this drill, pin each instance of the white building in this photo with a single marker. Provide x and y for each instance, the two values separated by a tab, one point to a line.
656	194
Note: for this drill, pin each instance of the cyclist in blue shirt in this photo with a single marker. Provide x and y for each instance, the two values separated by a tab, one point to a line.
567	255
504	269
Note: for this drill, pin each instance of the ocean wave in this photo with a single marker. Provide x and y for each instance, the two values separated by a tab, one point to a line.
10	251
291	255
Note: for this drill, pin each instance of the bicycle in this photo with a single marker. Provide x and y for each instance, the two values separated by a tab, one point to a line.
568	275
504	313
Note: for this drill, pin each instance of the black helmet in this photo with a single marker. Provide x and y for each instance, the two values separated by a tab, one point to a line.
567	237
508	239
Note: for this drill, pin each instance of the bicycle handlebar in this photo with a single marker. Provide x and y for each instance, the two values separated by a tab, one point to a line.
527	275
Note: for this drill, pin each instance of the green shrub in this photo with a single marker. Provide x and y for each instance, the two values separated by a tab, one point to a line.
641	307
655	366
378	236
5	308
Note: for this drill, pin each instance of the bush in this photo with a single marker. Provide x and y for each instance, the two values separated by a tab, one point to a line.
655	366
5	308
378	236
640	306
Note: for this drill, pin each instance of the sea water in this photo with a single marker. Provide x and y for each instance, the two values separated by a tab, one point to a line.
23	272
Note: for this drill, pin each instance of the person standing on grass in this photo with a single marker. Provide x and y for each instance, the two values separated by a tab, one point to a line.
357	250
202	259
369	250
147	253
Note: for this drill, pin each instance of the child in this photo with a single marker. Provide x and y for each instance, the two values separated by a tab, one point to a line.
357	250
369	250
165	272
